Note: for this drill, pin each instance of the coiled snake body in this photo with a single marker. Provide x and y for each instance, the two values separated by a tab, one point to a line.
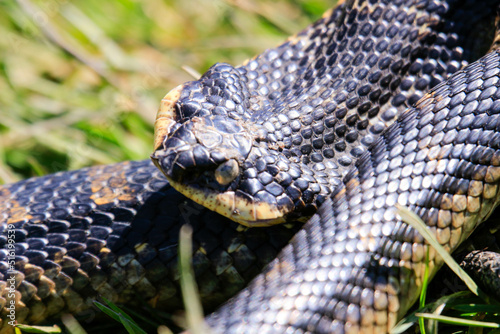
320	106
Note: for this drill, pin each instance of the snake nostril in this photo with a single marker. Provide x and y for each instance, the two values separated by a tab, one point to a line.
227	172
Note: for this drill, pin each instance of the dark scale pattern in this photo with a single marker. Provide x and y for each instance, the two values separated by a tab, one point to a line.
113	231
356	266
319	100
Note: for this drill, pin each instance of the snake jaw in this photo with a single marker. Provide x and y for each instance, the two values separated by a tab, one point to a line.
203	159
202	144
232	206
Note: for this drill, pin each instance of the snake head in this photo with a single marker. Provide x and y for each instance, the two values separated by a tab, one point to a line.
204	146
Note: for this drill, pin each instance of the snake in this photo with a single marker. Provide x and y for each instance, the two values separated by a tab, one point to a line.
318	126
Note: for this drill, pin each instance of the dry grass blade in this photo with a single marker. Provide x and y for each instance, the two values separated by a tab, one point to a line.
458	321
38	329
416	222
72	324
194	310
53	34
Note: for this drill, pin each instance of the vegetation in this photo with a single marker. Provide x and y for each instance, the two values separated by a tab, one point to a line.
80	81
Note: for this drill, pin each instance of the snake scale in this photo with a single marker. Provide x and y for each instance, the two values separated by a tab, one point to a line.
321	105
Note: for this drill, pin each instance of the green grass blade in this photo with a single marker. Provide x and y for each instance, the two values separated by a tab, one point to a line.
194	310
436	307
115	308
131	327
404	324
458	321
423	293
107	310
477	308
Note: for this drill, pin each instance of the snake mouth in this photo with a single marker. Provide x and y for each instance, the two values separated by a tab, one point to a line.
206	189
203	156
233	206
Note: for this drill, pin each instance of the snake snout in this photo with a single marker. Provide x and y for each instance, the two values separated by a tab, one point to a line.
205	151
204	159
209	151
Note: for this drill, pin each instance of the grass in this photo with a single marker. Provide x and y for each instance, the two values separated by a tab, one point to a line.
80	82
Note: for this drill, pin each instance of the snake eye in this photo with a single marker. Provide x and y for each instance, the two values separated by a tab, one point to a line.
227	172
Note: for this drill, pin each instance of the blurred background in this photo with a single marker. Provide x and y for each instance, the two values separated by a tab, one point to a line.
80	81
